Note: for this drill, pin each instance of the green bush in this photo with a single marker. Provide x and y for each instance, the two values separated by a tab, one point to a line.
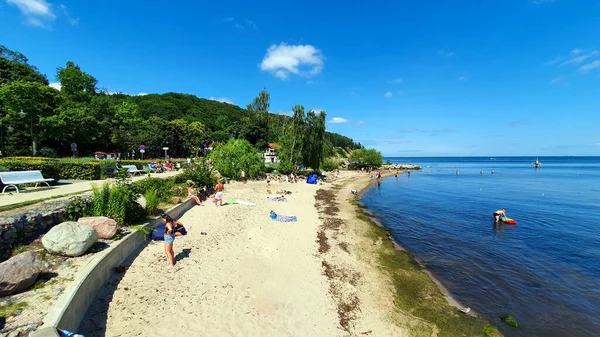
100	201
118	203
77	208
237	155
152	202
162	187
87	171
199	174
329	165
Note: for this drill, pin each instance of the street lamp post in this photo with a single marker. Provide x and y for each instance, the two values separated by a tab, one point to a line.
23	114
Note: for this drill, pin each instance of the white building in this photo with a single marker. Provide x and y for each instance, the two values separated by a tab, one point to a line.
270	155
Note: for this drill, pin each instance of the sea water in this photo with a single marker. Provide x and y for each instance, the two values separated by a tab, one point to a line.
545	271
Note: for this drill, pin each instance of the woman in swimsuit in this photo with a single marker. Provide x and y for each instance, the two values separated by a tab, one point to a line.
192	195
169	237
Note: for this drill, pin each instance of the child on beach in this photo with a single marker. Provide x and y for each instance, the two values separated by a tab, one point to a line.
219	195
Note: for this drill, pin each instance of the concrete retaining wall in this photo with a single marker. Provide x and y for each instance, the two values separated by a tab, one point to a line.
73	304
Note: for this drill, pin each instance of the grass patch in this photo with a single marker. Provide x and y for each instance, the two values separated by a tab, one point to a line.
33	202
12	309
145	230
19	249
416	293
322	241
38	285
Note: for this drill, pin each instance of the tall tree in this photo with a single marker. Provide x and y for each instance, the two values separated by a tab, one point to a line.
14	67
258	122
75	84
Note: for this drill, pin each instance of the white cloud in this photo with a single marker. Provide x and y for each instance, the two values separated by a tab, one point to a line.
556	80
361	123
580	59
286	113
142	94
590	66
576	51
72	21
37	12
55	85
240	24
445	53
388	94
397	81
282	60
222	99
338	120
462	78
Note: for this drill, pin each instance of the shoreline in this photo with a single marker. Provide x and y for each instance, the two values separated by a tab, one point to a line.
452	301
361	211
251	276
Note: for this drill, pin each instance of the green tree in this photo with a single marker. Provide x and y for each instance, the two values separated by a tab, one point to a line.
366	157
313	142
237	155
193	136
37	101
257	127
76	85
14	67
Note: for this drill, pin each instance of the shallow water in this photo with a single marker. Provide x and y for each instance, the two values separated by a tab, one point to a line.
545	271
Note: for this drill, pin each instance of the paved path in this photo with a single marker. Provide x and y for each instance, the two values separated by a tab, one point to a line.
13	197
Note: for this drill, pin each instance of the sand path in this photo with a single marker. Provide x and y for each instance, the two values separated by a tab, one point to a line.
249	276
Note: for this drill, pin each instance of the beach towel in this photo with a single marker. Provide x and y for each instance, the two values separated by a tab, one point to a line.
283	218
240	202
277	199
312	179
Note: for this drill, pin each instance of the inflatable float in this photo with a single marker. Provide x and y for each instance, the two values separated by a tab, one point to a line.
508	221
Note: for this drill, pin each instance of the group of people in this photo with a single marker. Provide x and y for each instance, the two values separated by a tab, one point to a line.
167	166
217	196
288	178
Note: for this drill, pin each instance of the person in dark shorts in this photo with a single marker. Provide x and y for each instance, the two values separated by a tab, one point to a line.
499	213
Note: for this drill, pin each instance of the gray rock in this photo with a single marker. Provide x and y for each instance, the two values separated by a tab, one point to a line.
105	227
69	239
19	273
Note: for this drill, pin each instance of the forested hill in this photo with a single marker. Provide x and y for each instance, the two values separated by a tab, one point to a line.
100	121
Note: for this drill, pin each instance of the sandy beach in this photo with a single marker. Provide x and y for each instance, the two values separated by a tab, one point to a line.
248	276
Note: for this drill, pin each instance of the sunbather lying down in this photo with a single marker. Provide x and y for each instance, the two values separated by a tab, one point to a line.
279	198
282	218
278	192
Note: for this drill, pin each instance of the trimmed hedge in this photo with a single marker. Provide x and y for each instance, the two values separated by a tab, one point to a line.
67	168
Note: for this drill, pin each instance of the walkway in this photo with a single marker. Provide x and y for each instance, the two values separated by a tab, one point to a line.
60	190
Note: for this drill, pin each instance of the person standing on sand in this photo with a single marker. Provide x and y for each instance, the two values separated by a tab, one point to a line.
219	195
169	237
243	176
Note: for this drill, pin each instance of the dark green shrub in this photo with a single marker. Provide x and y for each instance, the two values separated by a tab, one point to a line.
77	208
162	187
329	165
47	152
199	174
100	201
84	171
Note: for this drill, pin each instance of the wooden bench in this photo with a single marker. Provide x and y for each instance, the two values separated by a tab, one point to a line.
132	169
22	177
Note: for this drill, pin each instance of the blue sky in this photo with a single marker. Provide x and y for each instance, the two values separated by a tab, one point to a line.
410	78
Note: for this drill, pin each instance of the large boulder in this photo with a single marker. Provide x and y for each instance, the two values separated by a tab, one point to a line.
69	239
105	227
19	273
